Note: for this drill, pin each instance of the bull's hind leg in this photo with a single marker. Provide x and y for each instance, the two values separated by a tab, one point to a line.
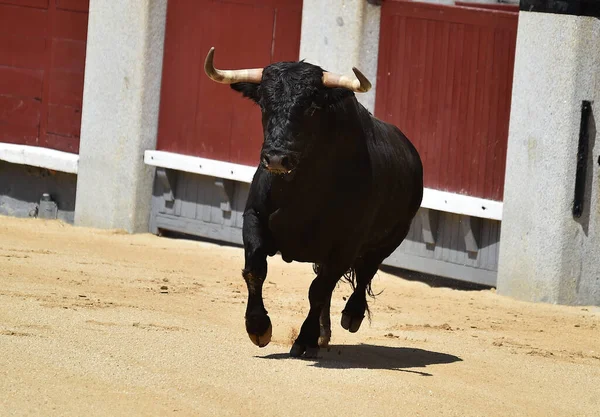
365	269
324	318
354	312
325	324
319	296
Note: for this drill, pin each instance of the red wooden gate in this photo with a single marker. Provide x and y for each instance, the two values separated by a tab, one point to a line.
445	79
200	117
42	59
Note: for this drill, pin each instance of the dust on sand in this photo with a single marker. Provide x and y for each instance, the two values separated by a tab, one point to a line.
101	323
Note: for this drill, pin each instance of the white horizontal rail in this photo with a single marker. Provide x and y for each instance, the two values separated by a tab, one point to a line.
432	199
39	157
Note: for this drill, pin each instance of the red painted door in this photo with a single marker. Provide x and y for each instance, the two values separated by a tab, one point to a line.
198	116
42	59
445	79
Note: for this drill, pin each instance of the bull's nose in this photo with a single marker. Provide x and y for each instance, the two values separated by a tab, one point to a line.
277	162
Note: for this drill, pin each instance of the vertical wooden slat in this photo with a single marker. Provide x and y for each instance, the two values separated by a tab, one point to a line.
47	66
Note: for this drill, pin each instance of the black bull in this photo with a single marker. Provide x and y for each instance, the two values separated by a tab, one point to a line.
335	187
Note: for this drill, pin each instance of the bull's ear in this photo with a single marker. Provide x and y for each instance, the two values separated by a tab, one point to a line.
249	90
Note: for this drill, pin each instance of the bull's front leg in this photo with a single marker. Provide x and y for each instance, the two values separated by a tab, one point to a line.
256	248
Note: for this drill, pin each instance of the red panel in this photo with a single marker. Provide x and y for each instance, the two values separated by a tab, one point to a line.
64	120
181	71
75	5
21	82
70	25
225	121
42	59
286	45
66	88
61	143
19	111
68	55
444	78
203	118
16	51
22	135
43	4
22	21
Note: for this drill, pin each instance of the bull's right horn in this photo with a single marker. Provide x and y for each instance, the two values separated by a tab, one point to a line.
359	85
253	75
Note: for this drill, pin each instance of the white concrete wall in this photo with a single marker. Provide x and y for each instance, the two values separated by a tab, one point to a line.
120	112
546	254
340	34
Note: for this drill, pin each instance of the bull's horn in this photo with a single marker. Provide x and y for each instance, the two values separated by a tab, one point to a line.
253	75
359	85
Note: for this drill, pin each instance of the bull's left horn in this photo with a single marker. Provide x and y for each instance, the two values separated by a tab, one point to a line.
253	75
359	85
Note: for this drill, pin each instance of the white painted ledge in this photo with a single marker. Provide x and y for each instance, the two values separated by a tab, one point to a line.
432	199
461	204
197	165
39	157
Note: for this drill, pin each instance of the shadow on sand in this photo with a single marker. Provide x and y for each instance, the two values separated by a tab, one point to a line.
375	357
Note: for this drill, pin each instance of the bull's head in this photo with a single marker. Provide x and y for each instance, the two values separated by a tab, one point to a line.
290	95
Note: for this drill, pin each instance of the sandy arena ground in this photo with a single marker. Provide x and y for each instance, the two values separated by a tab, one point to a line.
86	330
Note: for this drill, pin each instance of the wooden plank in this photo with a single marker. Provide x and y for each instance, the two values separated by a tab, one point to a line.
74	5
286	42
70	25
66	88
22	135
441	268
68	55
182	69
199	228
486	103
19	111
64	120
40	4
467	141
61	143
22	52
190	196
23	21
47	65
21	82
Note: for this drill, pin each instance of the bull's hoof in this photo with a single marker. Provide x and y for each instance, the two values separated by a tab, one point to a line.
259	329
352	324
263	339
324	338
299	350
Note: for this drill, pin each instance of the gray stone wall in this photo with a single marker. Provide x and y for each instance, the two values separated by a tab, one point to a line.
545	253
340	35
120	113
